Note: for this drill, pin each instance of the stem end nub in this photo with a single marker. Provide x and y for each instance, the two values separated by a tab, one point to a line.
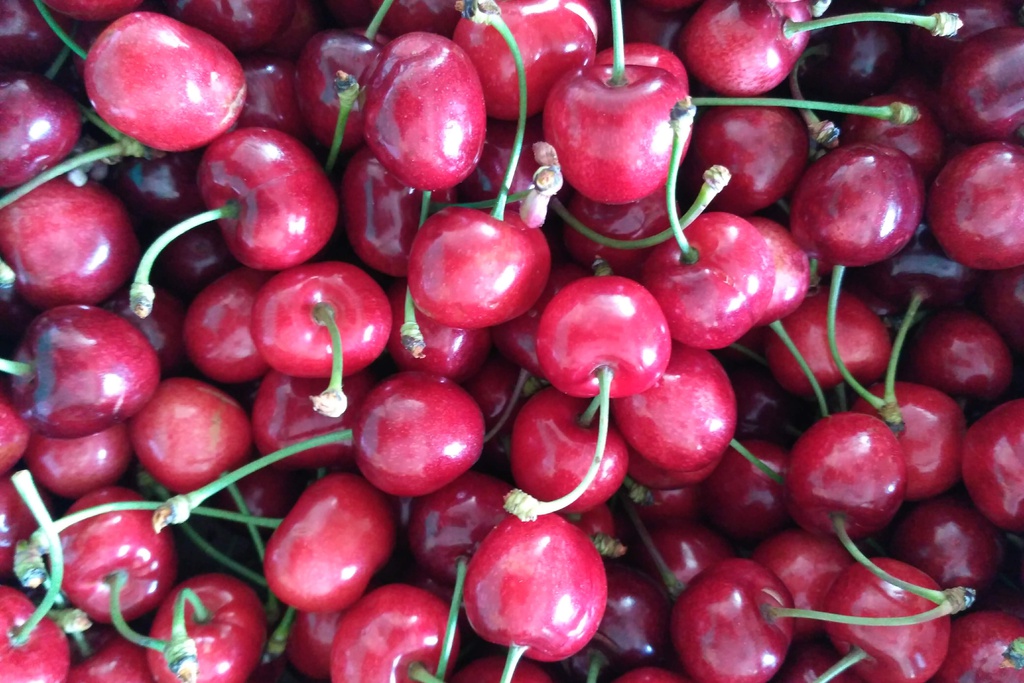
70	619
412	339
183	660
28	564
7	276
330	403
960	598
903	113
608	546
716	178
547	181
1013	656
946	24
522	505
820	7
825	133
141	299
175	510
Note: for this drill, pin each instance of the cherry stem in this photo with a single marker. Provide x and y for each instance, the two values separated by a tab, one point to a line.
825	133
7	275
757	462
129	505
177	508
510	405
453	618
597	663
618	46
897	347
410	333
59	61
839	525
787	341
418	672
278	641
681	120
254	532
22	480
852	657
201	614
515	653
116	582
637	492
833	303
347	88
526	507
126	147
56	28
17	368
141	292
945	609
482	204
749	353
672	583
96	120
331	402
840	392
587	417
220	558
181	655
942	24
897	112
378	19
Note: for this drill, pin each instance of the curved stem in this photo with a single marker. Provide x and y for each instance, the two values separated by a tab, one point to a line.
681	117
618	46
453	618
833	304
254	533
331	401
515	653
220	558
278	641
897	347
92	117
575	224
672	583
59	61
114	149
749	353
482	204
852	657
587	417
200	615
933	23
26	488
418	672
378	19
152	505
942	610
900	113
56	28
16	368
757	462
410	333
825	133
116	582
517	143
347	88
510	405
784	337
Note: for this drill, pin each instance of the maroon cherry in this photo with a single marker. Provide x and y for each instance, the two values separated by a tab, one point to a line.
193	261
434	16
486	179
741	500
306	21
26	41
763	407
242	25
978	16
309	643
41	126
14	434
672	505
651	674
807	661
162	328
114	658
859	60
923	140
496	389
267	493
160	191
354	530
992	465
16	524
93	10
687	548
270	96
982	648
72	468
44	657
138	81
489	670
1002	302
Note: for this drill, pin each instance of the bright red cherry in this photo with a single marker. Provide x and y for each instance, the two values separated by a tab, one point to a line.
309	642
115	657
979	643
792	269
14	434
740	499
993	465
44	658
72	468
270	96
646	54
41	125
923	141
488	670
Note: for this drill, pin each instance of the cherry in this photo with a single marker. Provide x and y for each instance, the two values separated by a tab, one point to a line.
114	657
15	316
408	625
14	434
428	138
688	549
351	12
978	222
417	432
612	130
163	328
41	126
193	261
26	41
647	474
923	140
763	407
538	585
740	499
977	16
270	96
100	546
992	465
243	26
85	369
306	21
72	468
309	643
792	269
489	670
807	661
160	191
651	674
486	179
724	607
93	10
266	493
982	649
354	530
435	16
16	524
189	434
44	657
668	506
153	93
859	60
646	54
1002	302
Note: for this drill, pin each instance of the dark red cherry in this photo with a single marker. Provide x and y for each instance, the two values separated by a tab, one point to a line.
719	627
537	584
686	420
640	24
979	221
736	47
72	468
688	549
763	407
923	141
993	465
434	16
307	20
116	658
489	669
162	327
14	434
267	492
193	261
860	59
44	658
424	111
160	191
242	25
553	39
655	477
646	54
672	505
614	141
15	315
807	661
140	82
740	500
470	270
977	16
1002	302
26	41
417	432
486	179
91	368
603	321
287	207
16	524
116	542
651	674
353	12
849	464
68	244
494	388
41	125
309	643
979	643
293	342
271	99
93	10
189	434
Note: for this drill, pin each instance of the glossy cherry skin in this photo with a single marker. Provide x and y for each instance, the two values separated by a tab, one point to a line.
434	16
282	415
424	111
229	643
980	640
552	451
340	532
16	524
160	191
736	47
93	10
116	541
1002	302
309	643
14	434
267	493
686	420
114	659
270	96
950	541
189	434
978	220
688	548
932	437
41	125
168	85
603	321
763	407
307	20
740	500
672	505
287	207
553	39
722	609
538	584
417	432
654	477
897	653
992	465
67	244
487	177
162	327
386	631
614	142
470	270
493	387
861	337
857	205
242	25
488	670
290	339
807	661
26	42
961	354
72	468
91	370
859	60
715	301
849	464
44	658
792	269
646	54
923	141
978	16
651	674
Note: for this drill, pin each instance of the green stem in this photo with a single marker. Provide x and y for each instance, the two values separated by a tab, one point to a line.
833	304
897	347
928	22
378	19
278	641
410	332
220	558
942	610
672	583
678	117
347	88
331	401
95	119
254	532
16	368
61	58
152	505
840	391
787	341
56	28
587	417
7	275
453	618
482	204
597	663
510	405
517	143
852	657
425	206
418	672
749	353
515	653
200	615
116	582
618	46
897	112
757	462
22	481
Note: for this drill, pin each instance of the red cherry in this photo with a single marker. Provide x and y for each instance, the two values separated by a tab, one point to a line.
14	434
672	505
163	328
26	41
741	500
309	642
792	269
487	177
979	643
688	549
858	60
993	465
139	81
646	473
72	468
488	670
41	126
353	528
242	25
809	660
763	407
44	658
923	140
977	15
650	674
307	20
193	261
266	492
114	658
16	524
642	24
435	16
646	54
271	100
93	10
1002	302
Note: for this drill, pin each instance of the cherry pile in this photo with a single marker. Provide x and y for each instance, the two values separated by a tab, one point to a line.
533	341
